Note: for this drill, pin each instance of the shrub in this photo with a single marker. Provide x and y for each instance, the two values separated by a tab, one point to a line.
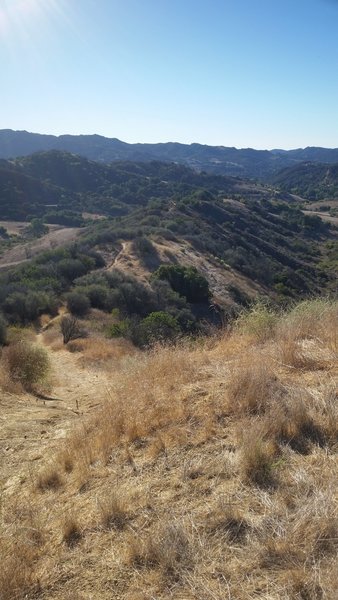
260	321
27	363
143	247
71	268
158	326
186	281
98	296
77	303
24	307
70	329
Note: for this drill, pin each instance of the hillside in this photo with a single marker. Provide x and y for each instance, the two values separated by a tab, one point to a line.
310	180
200	471
59	182
215	159
244	238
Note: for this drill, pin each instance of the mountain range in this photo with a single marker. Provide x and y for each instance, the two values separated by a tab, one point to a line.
245	163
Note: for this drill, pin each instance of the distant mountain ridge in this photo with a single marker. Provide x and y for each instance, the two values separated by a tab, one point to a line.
221	160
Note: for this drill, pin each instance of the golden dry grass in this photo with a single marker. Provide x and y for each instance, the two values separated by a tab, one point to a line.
205	471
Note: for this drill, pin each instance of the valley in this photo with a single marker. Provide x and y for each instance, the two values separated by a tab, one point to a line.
168	383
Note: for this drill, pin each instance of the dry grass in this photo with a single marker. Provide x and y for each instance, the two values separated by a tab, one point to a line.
259	453
259	322
253	387
16	573
114	510
100	352
208	472
168	547
227	520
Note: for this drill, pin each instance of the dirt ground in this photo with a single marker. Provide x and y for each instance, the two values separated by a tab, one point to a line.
28	425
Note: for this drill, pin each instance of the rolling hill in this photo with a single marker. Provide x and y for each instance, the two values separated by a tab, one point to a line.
312	181
245	238
215	159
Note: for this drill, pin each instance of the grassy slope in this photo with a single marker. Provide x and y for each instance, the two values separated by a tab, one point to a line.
205	471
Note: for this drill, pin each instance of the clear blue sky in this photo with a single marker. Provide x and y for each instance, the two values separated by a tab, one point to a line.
244	73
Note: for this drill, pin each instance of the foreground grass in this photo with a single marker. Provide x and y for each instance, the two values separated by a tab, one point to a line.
208	471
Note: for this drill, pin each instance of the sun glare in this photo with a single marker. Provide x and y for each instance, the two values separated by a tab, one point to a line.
20	18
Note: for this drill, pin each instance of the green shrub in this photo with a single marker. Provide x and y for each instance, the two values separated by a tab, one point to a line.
78	304
186	281
25	307
27	363
158	327
98	296
71	268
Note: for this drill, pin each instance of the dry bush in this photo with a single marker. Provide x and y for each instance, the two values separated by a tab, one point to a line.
76	345
27	364
6	382
252	387
71	531
259	453
53	339
49	479
71	329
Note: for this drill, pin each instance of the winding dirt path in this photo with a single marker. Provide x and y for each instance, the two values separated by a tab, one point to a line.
28	425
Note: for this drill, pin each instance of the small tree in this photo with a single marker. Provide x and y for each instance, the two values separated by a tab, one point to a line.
71	329
37	227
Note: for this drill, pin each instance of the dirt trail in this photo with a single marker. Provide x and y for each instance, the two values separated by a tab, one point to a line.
28	425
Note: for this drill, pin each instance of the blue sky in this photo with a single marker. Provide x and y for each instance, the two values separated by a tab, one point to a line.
244	73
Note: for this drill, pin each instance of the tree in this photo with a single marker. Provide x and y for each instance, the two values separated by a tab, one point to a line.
37	227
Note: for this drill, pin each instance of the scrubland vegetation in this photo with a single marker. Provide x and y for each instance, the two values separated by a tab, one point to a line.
202	469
